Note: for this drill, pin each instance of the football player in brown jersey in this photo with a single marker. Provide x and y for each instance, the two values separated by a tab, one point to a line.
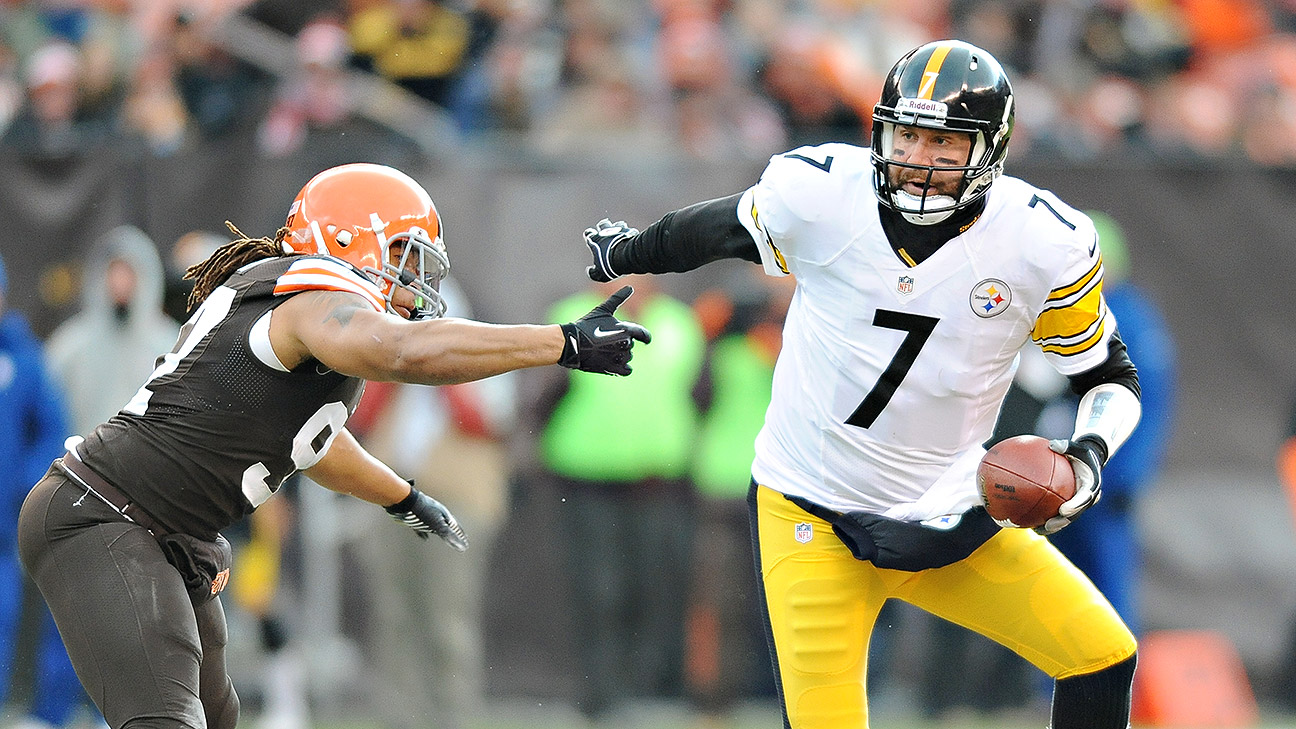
122	535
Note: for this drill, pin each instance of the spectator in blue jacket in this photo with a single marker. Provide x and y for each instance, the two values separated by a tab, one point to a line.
1106	545
32	428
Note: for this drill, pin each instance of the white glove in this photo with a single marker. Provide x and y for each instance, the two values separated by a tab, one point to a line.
1086	462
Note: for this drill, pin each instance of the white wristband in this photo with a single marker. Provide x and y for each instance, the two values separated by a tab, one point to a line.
1110	412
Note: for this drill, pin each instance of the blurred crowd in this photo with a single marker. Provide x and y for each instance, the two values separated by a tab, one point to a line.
710	80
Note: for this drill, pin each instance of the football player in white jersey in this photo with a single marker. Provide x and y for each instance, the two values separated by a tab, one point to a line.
921	273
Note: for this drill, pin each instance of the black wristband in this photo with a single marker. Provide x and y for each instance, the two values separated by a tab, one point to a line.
404	505
1095	444
570	356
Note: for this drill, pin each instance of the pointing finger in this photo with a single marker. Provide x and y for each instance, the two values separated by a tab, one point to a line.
615	300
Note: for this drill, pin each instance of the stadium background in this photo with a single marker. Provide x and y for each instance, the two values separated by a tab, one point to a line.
1210	237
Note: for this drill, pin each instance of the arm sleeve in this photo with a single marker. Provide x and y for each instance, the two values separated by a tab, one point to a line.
1117	368
1103	418
687	239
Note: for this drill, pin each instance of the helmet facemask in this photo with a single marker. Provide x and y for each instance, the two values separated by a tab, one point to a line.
415	262
977	173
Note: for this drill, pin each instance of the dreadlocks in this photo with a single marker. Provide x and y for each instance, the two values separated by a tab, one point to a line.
228	258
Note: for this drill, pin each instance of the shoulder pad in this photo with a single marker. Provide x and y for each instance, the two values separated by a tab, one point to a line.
812	184
326	273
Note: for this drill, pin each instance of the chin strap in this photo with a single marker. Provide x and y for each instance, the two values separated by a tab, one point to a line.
1108	412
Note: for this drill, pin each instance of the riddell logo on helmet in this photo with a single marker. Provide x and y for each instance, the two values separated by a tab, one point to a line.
922	107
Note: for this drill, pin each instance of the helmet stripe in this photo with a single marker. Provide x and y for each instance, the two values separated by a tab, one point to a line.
932	71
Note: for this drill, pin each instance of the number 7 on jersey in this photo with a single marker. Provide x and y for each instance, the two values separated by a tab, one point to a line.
917	329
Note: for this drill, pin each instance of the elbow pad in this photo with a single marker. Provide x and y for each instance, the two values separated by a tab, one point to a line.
1108	412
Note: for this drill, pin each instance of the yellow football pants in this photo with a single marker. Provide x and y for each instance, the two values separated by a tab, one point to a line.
822	603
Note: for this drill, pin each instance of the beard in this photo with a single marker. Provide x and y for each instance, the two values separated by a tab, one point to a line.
901	179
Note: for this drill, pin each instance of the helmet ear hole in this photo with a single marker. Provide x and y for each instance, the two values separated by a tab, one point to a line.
344	238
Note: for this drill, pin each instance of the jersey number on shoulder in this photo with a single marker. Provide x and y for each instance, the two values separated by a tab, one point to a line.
826	165
917	330
311	441
212	312
1037	199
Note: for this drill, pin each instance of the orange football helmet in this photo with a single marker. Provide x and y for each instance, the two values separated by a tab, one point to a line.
381	221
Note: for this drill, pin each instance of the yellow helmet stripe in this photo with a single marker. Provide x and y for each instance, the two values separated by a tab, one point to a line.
932	71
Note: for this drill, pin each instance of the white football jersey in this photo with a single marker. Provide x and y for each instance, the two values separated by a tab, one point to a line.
891	375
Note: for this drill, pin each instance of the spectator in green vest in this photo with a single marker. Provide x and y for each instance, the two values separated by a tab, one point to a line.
626	510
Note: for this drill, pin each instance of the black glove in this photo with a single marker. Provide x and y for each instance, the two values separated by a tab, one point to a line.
1086	456
425	515
599	342
601	239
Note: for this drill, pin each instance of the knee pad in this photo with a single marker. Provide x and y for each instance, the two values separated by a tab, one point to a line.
829	707
1098	700
823	620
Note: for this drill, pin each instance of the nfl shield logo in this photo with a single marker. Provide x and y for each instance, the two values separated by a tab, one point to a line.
804	531
905	285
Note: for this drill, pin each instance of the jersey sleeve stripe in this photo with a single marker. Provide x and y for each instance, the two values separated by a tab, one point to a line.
778	255
1090	277
296	289
1078	316
1079	347
1072	330
299	284
320	275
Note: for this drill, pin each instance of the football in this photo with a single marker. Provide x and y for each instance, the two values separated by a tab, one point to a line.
1024	482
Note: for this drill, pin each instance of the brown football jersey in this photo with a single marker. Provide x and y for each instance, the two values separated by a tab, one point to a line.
215	430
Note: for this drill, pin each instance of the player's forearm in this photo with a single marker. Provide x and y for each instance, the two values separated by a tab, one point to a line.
1108	412
686	239
348	468
1110	405
450	351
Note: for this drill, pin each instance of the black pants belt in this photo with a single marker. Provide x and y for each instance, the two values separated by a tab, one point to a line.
84	475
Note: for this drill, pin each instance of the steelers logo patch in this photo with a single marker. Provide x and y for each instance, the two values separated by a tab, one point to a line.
990	297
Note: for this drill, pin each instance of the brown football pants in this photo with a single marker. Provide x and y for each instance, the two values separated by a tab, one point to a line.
145	654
